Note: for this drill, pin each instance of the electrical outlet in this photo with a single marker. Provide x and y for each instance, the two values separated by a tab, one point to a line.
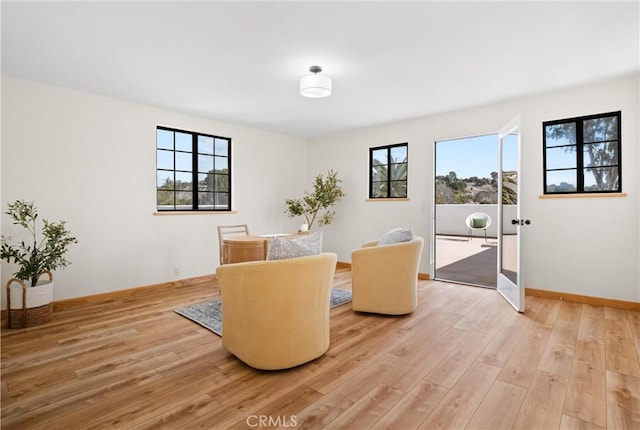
176	271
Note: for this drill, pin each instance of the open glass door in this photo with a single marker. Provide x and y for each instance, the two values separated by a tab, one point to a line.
510	271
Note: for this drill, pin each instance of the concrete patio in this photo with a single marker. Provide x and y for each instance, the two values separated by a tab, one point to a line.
470	261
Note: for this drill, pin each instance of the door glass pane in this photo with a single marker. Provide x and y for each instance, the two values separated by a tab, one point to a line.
509	250
466	214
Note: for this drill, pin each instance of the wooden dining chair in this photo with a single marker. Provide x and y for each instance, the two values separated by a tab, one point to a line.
226	231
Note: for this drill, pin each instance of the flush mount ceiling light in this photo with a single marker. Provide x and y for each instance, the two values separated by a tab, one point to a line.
315	86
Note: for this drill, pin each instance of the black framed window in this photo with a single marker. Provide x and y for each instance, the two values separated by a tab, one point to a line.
582	155
388	171
193	171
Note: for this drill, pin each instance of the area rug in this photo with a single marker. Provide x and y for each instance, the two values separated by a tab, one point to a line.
209	314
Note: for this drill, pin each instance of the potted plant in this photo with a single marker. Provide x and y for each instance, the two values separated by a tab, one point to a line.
30	302
326	193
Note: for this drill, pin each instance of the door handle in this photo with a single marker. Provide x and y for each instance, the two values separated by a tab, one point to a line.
520	221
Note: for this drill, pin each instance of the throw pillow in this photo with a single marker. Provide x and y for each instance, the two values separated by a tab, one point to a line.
280	248
396	235
478	222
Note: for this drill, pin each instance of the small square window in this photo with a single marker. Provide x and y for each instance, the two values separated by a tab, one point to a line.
388	171
582	155
193	171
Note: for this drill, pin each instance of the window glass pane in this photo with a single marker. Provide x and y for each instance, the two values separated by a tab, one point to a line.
379	189
183	142
561	158
205	181
165	199
398	188
561	181
184	200
205	201
164	159
184	181
164	139
221	183
601	154
205	145
560	134
601	179
205	163
399	154
600	129
164	179
399	172
221	200
379	157
221	164
379	173
184	161
222	147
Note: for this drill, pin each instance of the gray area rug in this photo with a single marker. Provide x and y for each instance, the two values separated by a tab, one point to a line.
209	314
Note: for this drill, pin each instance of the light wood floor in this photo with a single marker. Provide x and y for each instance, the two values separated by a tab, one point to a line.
463	360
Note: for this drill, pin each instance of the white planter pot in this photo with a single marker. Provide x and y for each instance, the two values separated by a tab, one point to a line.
28	306
40	295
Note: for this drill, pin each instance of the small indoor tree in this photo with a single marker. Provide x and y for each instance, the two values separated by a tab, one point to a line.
42	252
326	193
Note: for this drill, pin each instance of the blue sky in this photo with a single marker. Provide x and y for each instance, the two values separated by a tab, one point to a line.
474	156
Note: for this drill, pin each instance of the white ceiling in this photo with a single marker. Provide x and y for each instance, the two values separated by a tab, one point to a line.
241	61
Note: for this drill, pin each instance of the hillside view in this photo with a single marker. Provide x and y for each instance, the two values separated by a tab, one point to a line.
449	189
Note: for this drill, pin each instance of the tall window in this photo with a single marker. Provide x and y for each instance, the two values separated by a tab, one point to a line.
193	171
582	155
388	171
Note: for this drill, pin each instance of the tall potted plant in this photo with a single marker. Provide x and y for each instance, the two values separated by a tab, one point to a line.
326	193
30	302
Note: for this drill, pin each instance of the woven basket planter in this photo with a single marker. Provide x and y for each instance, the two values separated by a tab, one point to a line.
29	306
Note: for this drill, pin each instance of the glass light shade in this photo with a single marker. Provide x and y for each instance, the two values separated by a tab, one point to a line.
315	86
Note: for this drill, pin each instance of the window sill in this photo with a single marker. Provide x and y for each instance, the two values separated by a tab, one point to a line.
581	195
398	199
194	212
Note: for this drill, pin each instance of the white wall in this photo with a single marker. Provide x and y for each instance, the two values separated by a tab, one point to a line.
586	246
90	160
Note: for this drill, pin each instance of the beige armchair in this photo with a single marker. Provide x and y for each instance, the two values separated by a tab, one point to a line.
275	314
385	278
